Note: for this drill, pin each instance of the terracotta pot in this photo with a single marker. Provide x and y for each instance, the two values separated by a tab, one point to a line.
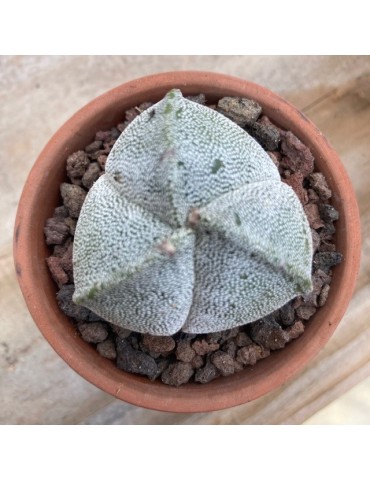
41	195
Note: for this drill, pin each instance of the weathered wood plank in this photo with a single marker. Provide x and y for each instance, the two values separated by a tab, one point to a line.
350	408
36	385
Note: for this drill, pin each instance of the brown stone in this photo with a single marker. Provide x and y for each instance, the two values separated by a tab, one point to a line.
298	157
295	330
201	347
158	344
295	181
313	216
56	270
177	374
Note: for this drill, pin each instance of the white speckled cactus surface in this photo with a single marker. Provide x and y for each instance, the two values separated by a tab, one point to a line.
190	227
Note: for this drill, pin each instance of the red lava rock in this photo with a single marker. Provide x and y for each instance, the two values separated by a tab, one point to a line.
135	361
318	183
313	216
265	133
250	354
64	298
177	374
201	347
223	362
56	231
107	349
184	352
197	362
268	333
94	146
242	339
91	175
73	198
295	330
77	164
158	344
324	295
295	181
207	373
241	110
299	156
56	269
306	311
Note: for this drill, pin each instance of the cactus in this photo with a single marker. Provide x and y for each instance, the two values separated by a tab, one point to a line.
190	227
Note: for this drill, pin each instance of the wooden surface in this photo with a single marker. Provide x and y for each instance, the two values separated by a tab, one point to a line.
37	94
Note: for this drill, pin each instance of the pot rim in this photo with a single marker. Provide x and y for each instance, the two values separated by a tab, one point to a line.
251	383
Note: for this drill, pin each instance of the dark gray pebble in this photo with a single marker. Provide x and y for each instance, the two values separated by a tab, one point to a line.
206	374
326	260
268	333
267	135
135	361
64	298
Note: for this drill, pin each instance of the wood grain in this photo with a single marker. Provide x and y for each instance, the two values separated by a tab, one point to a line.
37	94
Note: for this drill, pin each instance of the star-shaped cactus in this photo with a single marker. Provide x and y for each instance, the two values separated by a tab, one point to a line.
190	227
